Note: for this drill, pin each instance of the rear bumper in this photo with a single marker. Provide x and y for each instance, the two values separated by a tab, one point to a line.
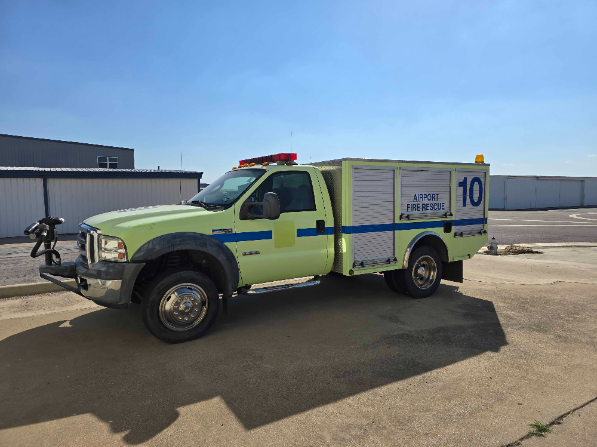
109	284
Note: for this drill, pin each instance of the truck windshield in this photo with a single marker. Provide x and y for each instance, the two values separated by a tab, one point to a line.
225	190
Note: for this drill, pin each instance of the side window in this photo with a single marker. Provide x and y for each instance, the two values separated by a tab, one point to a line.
294	189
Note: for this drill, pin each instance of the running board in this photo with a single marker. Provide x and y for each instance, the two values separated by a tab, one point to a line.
312	282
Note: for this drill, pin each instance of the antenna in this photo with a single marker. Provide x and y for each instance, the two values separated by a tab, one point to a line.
180	180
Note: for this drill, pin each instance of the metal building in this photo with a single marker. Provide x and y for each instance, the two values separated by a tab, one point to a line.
28	194
18	151
509	192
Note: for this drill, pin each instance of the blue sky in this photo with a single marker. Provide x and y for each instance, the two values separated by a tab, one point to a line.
220	81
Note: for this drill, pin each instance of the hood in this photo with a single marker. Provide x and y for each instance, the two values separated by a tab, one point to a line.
136	226
134	217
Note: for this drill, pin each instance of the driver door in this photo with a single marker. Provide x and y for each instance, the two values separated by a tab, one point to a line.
292	246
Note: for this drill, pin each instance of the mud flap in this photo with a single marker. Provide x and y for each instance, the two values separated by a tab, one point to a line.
453	271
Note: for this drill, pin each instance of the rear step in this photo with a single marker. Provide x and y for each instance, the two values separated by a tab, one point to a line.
312	282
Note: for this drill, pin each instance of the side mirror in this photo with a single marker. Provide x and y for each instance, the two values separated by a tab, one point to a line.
268	209
271	206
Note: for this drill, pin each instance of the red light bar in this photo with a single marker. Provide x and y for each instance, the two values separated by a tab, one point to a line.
287	156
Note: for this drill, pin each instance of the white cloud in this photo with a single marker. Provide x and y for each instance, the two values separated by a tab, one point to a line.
569	161
508	164
591	155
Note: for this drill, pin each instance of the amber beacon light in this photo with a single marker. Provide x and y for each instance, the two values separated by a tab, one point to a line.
479	158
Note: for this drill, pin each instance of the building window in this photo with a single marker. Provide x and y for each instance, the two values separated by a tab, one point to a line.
107	162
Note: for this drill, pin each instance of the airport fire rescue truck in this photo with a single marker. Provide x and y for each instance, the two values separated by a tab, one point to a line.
271	219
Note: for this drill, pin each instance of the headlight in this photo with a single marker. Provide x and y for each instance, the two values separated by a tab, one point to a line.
112	249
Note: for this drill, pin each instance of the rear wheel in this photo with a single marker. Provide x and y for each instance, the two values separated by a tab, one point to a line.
395	281
181	305
424	272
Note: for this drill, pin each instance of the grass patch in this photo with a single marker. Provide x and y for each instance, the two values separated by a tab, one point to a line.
539	429
520	250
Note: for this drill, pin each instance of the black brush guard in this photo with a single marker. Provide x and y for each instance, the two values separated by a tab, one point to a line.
44	230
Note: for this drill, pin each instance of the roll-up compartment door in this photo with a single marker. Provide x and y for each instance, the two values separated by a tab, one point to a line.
471	194
425	193
373	215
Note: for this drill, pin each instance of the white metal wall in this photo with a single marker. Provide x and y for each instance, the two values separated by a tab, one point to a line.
590	192
77	199
518	193
21	204
548	191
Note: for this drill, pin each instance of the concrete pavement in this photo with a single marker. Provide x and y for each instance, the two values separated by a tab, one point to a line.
348	362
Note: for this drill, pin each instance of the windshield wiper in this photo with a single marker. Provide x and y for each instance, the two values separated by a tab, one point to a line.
204	205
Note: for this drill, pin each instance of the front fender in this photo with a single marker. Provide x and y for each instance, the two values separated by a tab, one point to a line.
227	265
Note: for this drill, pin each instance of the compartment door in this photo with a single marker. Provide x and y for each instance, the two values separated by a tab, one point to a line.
425	193
471	193
373	215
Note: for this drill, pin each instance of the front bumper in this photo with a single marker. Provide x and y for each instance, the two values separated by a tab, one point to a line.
108	284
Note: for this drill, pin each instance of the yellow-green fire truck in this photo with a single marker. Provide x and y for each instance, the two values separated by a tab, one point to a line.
270	219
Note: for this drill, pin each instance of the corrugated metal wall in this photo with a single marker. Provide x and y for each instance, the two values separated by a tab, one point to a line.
519	193
77	199
21	203
33	152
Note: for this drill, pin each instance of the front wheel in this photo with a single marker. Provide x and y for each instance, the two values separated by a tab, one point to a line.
181	305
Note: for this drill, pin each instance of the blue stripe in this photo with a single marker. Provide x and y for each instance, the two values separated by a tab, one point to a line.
243	237
225	238
303	232
470	221
403	226
253	236
306	232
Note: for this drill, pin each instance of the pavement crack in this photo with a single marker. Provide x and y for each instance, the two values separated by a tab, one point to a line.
557	421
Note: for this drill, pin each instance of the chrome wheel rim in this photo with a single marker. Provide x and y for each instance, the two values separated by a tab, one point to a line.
183	307
424	272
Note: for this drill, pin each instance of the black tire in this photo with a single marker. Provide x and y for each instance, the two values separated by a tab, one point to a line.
160	305
395	281
422	286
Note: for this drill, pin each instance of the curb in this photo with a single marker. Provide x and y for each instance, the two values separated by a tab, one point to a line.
33	289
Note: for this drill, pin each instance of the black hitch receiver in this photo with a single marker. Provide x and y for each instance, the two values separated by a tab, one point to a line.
44	230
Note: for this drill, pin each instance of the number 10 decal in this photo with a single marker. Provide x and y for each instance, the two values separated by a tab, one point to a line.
471	190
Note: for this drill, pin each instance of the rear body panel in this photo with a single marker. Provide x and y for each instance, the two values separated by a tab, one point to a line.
372	222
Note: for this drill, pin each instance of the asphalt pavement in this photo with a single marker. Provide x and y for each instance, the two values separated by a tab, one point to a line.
346	363
526	227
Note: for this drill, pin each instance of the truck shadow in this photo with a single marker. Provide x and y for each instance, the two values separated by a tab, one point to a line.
275	356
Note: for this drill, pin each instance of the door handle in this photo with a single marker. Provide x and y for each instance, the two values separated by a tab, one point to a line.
320	227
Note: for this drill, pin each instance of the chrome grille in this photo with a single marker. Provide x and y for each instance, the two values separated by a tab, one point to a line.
88	244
